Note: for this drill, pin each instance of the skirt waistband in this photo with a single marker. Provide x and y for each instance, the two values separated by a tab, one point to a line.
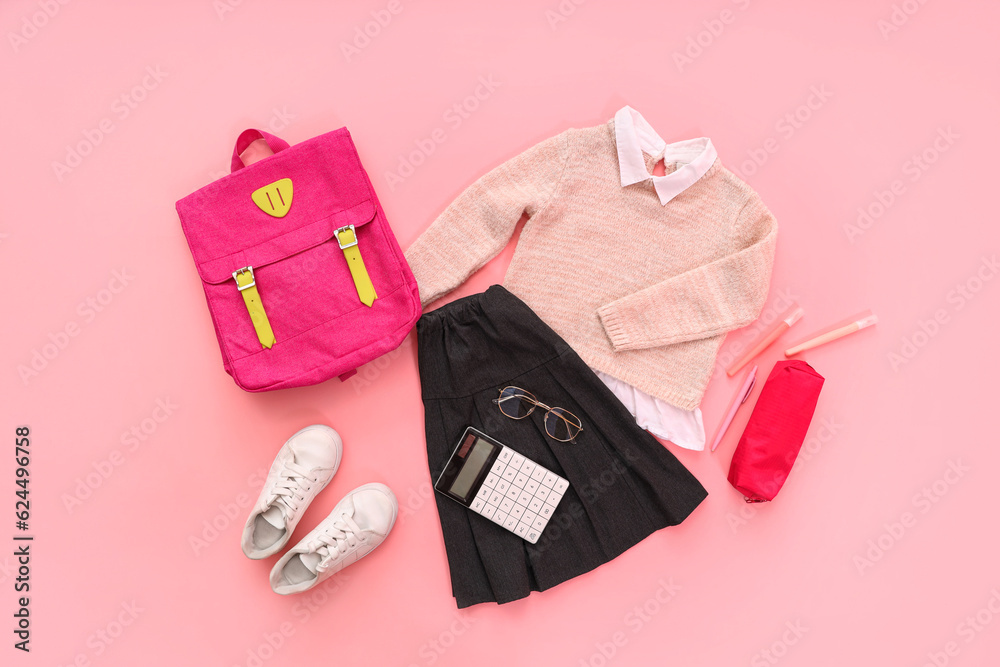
479	342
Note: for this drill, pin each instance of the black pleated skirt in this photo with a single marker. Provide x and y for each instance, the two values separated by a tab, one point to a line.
624	484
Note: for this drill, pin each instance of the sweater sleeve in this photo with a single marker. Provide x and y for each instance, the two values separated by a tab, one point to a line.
706	301
480	222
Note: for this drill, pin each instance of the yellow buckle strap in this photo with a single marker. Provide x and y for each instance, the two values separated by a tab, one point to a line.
247	286
347	239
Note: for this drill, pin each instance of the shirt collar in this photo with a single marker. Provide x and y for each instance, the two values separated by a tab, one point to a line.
634	135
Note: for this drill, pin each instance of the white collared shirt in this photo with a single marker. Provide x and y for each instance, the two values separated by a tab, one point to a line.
694	157
635	136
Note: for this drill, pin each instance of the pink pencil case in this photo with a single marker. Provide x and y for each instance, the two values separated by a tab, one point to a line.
775	432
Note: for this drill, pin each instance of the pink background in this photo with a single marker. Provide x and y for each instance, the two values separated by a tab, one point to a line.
874	552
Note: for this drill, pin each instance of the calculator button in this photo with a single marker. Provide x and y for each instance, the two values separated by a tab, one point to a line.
502	486
517	511
524	498
495	498
532	536
478	504
554	498
505	454
539	523
489	510
499	517
531	486
510	523
513	492
528	467
535	505
509	474
549	479
538	474
529	517
491	480
522	529
498	467
484	492
517	461
560	486
546	510
520	480
507	505
542	493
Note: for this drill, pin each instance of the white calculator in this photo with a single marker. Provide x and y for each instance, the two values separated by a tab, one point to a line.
507	488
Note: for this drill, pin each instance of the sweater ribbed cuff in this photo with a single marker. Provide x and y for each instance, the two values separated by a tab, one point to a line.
614	326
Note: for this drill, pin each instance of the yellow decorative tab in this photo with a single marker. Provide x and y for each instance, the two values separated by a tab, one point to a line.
247	286
274	199
347	239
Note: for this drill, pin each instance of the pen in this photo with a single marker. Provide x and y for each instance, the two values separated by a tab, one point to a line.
738	400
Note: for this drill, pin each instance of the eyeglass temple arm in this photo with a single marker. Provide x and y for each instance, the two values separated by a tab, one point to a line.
521	397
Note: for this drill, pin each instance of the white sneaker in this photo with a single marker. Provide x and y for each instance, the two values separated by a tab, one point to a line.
358	524
305	464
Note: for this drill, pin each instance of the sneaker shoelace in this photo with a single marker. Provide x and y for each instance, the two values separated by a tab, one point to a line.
336	539
291	487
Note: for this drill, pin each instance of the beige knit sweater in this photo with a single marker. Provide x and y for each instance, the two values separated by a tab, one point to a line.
643	292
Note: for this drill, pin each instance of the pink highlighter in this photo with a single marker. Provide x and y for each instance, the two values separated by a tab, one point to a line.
862	320
793	315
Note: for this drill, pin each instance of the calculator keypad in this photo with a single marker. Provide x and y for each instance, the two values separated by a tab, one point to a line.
519	495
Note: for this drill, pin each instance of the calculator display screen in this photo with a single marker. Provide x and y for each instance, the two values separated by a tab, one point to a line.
474	463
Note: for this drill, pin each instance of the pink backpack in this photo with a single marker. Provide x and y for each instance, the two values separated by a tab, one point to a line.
303	276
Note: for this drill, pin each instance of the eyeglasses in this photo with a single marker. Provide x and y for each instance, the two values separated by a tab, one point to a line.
560	424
